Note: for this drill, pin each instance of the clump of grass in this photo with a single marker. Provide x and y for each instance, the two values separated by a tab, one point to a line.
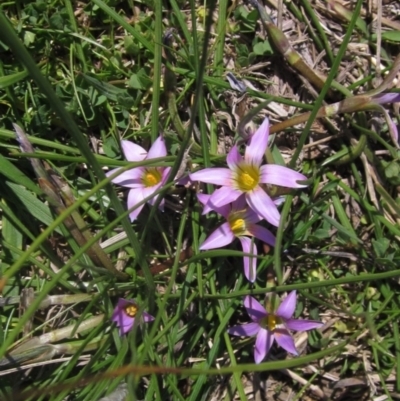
78	78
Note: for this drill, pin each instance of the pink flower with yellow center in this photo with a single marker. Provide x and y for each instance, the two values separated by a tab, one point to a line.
245	175
124	315
272	326
241	224
142	181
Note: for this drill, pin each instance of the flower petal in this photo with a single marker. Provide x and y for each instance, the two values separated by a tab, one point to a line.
213	175
134	197
282	176
133	152
147	317
248	329
285	340
158	149
222	236
233	157
264	342
250	263
223	196
121	318
287	306
258	143
302	325
208	207
255	310
130	179
261	233
263	205
386	97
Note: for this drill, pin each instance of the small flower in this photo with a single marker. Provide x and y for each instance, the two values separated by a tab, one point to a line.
125	313
272	326
245	175
240	224
387	97
143	181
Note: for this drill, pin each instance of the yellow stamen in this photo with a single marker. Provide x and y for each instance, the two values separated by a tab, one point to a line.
237	226
247	177
272	322
131	310
151	177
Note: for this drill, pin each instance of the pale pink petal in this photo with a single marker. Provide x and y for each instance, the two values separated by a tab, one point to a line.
134	197
223	196
263	205
133	152
287	306
285	340
255	310
282	176
130	178
233	157
249	329
222	236
158	149
258	144
165	174
213	175
250	263
264	342
147	317
149	191
302	325
261	233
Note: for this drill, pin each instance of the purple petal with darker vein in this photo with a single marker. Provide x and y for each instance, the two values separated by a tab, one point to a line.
258	143
250	263
261	233
249	329
282	176
263	205
255	310
302	325
222	236
223	196
213	175
263	344
285	340
287	306
158	149
233	157
133	152
208	207
240	203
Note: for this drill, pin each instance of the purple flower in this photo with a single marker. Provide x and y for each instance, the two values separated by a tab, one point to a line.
240	224
143	181
245	175
387	97
272	326
125	313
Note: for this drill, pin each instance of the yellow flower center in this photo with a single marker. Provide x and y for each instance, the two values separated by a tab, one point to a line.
270	322
151	177
131	310
237	223
247	177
